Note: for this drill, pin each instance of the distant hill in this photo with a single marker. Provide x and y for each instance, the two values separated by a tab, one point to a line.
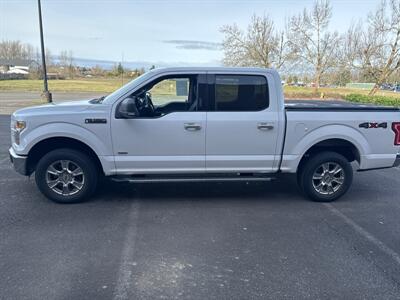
108	64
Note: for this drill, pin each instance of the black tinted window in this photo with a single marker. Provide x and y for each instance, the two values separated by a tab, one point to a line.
241	93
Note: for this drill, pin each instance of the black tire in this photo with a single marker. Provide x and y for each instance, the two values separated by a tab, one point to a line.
87	184
330	189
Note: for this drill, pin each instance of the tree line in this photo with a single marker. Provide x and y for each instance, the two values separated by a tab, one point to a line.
368	51
63	64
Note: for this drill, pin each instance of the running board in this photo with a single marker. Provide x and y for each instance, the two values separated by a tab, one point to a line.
191	178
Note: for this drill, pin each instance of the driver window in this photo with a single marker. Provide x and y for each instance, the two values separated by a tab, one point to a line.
170	90
167	95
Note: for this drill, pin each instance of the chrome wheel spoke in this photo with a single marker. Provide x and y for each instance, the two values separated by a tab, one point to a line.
53	183
64	165
338	180
317	176
337	169
65	189
77	185
77	172
319	187
52	170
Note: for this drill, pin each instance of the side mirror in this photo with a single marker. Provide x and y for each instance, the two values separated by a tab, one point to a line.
127	109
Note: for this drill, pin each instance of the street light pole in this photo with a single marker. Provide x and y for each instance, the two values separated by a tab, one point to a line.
46	92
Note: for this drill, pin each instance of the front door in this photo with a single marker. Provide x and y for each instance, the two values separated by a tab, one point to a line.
168	137
242	128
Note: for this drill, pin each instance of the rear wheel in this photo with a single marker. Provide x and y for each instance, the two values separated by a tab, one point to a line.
325	176
66	176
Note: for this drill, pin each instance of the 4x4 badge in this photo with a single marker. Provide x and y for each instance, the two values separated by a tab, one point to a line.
368	125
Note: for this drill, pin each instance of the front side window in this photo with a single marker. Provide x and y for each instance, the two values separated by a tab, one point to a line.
168	94
241	93
170	90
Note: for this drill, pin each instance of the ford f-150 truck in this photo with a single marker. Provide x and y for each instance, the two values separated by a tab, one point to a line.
201	124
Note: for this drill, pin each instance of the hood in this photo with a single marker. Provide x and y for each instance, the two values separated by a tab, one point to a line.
62	107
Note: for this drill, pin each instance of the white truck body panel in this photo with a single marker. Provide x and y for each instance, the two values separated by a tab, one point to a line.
305	129
244	148
160	145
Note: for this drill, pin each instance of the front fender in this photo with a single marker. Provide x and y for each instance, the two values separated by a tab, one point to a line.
62	129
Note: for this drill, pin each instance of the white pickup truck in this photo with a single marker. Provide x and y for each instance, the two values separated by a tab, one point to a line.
201	124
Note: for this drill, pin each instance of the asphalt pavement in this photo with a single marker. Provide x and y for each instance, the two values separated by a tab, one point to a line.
199	240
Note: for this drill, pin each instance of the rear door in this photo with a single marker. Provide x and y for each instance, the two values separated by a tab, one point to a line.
242	126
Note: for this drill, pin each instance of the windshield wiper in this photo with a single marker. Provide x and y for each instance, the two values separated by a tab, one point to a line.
98	100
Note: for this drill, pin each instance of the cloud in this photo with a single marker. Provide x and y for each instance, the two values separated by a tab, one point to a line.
95	38
194	45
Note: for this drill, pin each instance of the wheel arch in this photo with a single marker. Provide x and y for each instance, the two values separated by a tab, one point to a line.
49	144
338	145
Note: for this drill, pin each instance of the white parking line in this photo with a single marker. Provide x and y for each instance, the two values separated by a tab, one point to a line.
390	252
124	281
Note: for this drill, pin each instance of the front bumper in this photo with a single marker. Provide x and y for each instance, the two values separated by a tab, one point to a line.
19	162
397	161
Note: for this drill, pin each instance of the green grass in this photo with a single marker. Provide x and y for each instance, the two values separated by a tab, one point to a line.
379	100
295	92
78	85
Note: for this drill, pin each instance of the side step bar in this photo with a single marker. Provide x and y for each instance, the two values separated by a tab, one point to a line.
188	178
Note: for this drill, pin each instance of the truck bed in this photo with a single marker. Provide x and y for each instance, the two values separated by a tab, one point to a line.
334	105
311	120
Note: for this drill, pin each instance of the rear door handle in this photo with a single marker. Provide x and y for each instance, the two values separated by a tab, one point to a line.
192	126
265	126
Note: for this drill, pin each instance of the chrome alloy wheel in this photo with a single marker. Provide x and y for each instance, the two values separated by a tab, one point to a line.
328	178
65	177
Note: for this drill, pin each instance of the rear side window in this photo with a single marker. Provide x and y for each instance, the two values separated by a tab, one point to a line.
241	93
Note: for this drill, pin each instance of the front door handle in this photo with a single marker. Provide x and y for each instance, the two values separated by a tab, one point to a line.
192	126
265	126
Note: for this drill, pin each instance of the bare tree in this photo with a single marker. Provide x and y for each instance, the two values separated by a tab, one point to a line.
66	61
259	46
16	50
63	58
375	50
311	42
97	71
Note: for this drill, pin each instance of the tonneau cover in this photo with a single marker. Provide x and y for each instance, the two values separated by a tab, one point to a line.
334	105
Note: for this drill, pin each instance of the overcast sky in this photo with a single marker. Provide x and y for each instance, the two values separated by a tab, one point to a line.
170	31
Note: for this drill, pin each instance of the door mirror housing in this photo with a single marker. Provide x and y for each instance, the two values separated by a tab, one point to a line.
127	109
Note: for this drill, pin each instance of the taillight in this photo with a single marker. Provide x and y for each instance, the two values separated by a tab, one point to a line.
396	129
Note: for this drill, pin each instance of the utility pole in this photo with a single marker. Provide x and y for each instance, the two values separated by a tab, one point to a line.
46	92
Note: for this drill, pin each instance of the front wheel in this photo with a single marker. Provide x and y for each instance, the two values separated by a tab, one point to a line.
66	176
326	176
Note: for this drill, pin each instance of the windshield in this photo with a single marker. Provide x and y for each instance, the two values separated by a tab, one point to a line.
127	87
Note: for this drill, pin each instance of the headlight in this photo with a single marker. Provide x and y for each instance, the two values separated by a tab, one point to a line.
16	128
19	125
